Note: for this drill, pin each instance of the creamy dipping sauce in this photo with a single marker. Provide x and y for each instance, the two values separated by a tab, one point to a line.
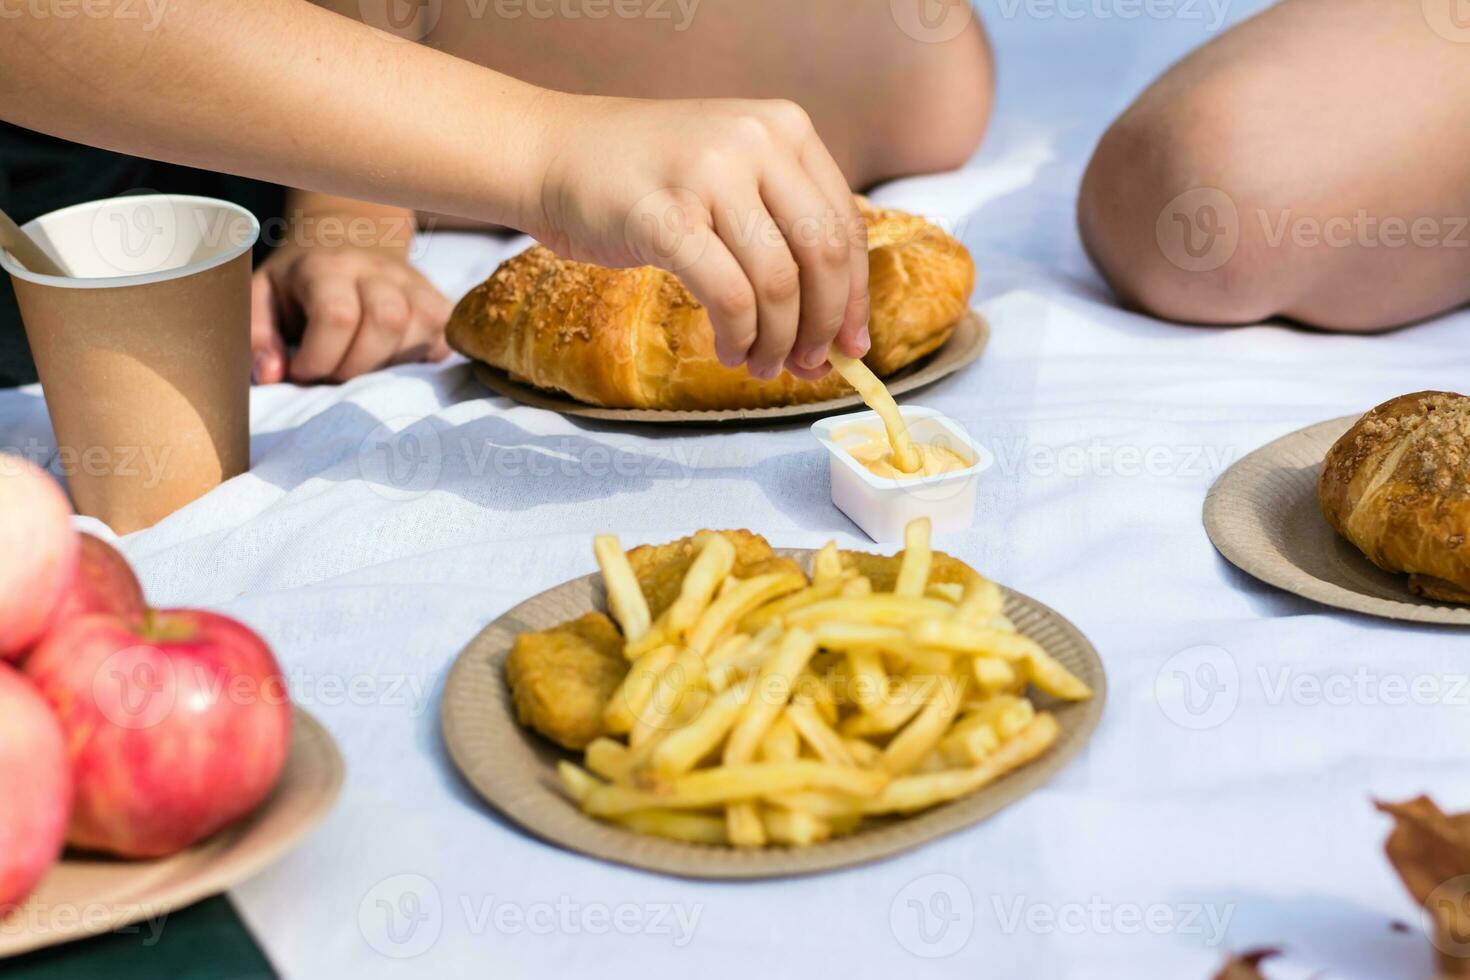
870	447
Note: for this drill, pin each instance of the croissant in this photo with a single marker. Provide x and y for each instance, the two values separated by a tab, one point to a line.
1397	485
636	338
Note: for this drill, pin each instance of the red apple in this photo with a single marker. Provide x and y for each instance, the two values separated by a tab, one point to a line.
103	583
35	788
177	724
38	552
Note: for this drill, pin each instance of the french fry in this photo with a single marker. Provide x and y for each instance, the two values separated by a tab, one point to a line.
742	598
578	782
958	637
696	828
729	664
704	788
913	569
901	704
795	828
856	587
772	611
880	609
828	806
684	674
812	690
772	690
632	695
827	565
781	742
815	732
710	568
968	741
1048	674
981	602
922	734
743	825
867	385
993	673
869	681
951	592
625	597
910	793
680	750
863	752
608	758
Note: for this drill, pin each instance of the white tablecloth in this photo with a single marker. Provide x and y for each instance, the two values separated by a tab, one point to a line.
1187	828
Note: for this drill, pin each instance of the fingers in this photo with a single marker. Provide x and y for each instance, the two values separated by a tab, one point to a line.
716	279
333	311
386	319
773	277
823	254
267	349
852	337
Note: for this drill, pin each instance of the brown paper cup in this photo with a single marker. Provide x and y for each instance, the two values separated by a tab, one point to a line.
144	352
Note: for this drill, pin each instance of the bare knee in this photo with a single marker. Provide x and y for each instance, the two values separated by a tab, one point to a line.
1165	203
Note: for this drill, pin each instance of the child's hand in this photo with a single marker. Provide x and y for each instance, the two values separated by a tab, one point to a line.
353	310
739	198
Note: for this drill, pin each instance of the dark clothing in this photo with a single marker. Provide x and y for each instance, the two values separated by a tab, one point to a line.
39	174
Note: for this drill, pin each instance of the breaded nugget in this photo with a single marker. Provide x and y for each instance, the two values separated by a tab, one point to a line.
562	678
882	570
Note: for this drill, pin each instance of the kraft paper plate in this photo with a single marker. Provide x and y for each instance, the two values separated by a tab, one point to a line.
963	347
1263	515
85	895
514	769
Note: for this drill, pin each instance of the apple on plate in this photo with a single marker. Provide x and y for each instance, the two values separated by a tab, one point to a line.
40	549
177	723
35	788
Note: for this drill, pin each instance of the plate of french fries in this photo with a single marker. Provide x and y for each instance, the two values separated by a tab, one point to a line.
717	708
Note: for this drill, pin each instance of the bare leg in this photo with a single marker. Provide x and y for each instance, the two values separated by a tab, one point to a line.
1313	163
892	91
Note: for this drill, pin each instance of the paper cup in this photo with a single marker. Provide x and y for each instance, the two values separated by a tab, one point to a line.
144	355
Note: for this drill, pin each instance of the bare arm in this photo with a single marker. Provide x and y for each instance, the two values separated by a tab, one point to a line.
286	92
281	91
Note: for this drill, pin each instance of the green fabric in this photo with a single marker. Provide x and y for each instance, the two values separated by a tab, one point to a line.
207	941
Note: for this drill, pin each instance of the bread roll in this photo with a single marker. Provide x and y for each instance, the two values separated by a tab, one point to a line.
1397	485
636	338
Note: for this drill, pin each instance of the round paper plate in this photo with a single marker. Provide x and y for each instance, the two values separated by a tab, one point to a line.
967	343
85	895
1263	515
514	769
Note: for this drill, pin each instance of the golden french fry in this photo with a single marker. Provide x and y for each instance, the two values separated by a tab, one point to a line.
968	741
742	598
896	708
721	785
772	690
625	598
684	674
710	567
910	793
608	758
828	806
632	695
922	734
959	637
994	674
819	735
578	782
1047	674
743	825
913	569
796	828
812	690
867	678
875	610
856	587
697	828
863	752
948	591
773	611
781	743
827	565
731	663
682	749
867	385
982	601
